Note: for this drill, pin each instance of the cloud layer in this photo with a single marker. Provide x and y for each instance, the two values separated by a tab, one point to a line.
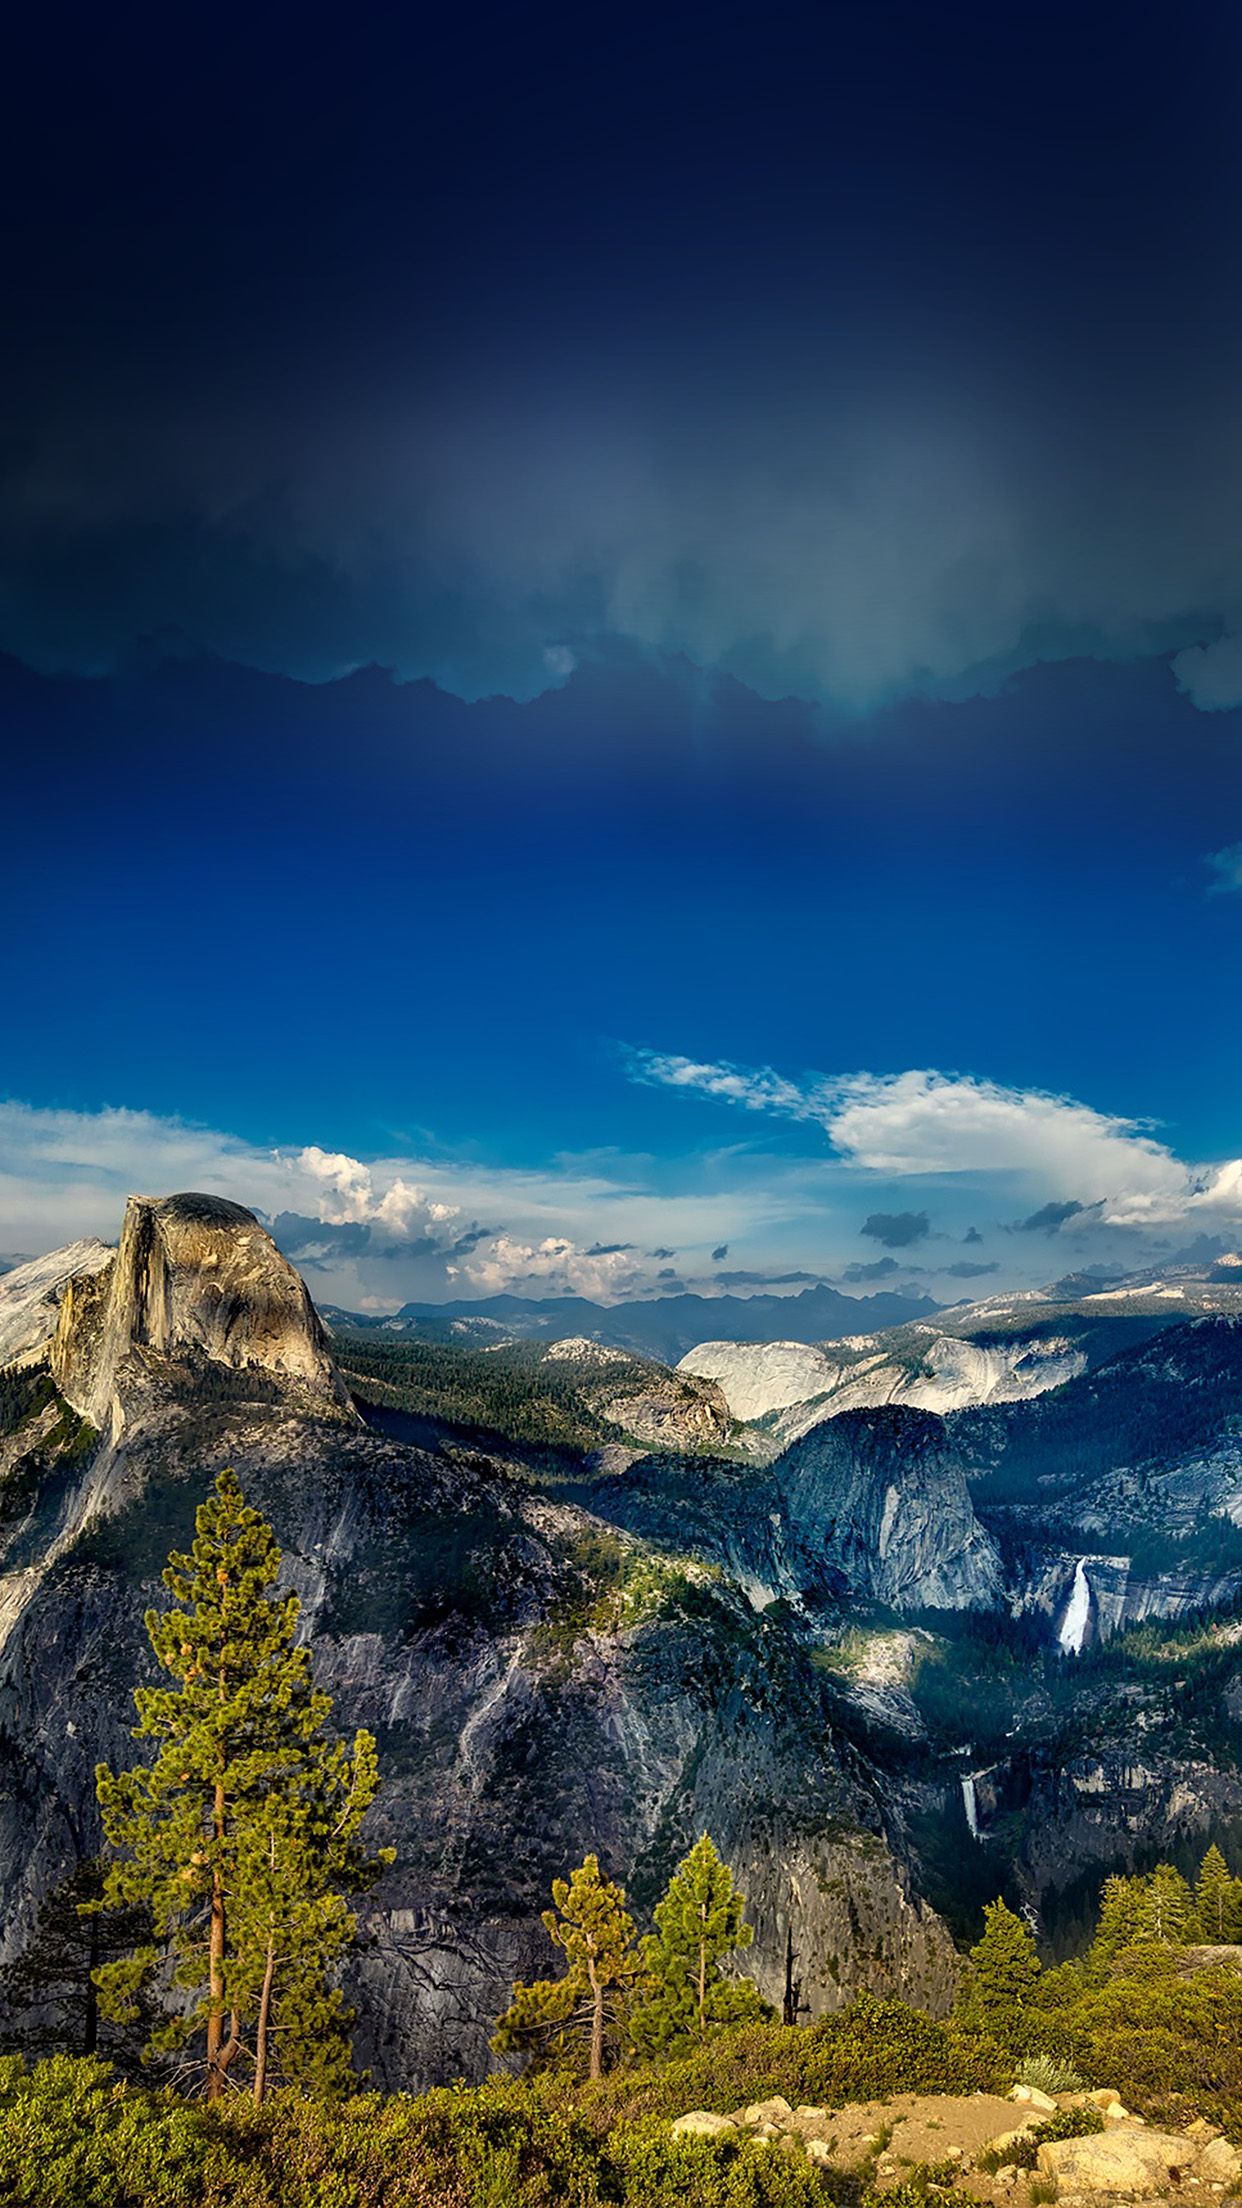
1092	1167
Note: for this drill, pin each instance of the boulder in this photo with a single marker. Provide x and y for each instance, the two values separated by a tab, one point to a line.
1219	2162
1035	2099
777	2111
702	2123
811	2123
1117	2162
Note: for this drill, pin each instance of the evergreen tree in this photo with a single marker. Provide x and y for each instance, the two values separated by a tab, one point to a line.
49	2002
1218	1899
1002	1979
1169	1916
241	1833
1121	1926
699	1923
553	2018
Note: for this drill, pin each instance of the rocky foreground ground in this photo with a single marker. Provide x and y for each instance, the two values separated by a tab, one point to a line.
979	2144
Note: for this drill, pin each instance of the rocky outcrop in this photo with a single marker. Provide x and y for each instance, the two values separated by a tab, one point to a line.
879	1501
30	1296
872	1506
758	1377
792	1386
194	1276
668	1410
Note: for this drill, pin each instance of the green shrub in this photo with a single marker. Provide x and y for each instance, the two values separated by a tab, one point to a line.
653	2170
865	2052
1047	2074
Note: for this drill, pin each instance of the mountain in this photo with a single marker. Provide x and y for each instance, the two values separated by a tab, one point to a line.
664	1328
541	1682
1002	1350
584	1607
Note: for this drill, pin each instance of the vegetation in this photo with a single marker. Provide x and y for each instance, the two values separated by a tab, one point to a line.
591	1923
699	1924
512	1391
49	2001
72	2137
1136	2009
241	1839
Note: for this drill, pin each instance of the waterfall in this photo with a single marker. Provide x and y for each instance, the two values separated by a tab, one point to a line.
1078	1610
970	1804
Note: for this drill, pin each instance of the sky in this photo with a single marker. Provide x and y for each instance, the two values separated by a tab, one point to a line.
621	640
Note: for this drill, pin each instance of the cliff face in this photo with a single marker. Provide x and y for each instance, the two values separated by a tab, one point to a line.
194	1277
30	1297
878	1498
871	1506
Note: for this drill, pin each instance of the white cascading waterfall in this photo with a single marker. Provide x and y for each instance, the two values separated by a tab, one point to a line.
970	1804
1077	1612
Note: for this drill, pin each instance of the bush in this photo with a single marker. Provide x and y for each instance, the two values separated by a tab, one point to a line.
865	2052
1047	2074
653	2170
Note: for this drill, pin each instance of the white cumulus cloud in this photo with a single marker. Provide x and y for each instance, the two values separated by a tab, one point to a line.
924	1124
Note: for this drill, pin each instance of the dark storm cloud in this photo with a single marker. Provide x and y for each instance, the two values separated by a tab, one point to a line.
260	401
1049	1219
882	1268
972	1234
612	1249
720	1253
963	1270
897	1229
323	1246
661	1253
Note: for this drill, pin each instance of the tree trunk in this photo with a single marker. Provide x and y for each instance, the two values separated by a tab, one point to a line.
215	2021
90	2025
702	1989
265	2010
597	2025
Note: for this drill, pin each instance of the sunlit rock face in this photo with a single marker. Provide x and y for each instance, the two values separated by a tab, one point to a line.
877	1498
30	1296
194	1276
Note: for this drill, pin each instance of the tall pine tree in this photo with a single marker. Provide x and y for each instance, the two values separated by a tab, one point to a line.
1001	1981
554	2017
1218	1898
242	1833
699	1923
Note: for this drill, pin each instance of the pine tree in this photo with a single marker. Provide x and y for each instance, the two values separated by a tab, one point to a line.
1001	1984
241	1833
49	2001
699	1922
1169	1918
1121	1925
553	2017
1218	1899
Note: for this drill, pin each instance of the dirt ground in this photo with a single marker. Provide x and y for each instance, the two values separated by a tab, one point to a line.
930	2129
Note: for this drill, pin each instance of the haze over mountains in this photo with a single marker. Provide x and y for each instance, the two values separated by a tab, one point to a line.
664	1328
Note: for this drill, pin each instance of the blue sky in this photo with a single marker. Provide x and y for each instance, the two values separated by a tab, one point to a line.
621	640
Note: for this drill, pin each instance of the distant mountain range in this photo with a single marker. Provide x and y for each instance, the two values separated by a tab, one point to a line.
664	1328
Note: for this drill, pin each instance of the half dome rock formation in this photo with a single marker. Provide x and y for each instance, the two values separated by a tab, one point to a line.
195	1277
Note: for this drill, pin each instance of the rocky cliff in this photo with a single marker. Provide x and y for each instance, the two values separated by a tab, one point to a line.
195	1277
869	1507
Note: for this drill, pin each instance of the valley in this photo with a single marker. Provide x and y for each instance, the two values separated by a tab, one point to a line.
896	1658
